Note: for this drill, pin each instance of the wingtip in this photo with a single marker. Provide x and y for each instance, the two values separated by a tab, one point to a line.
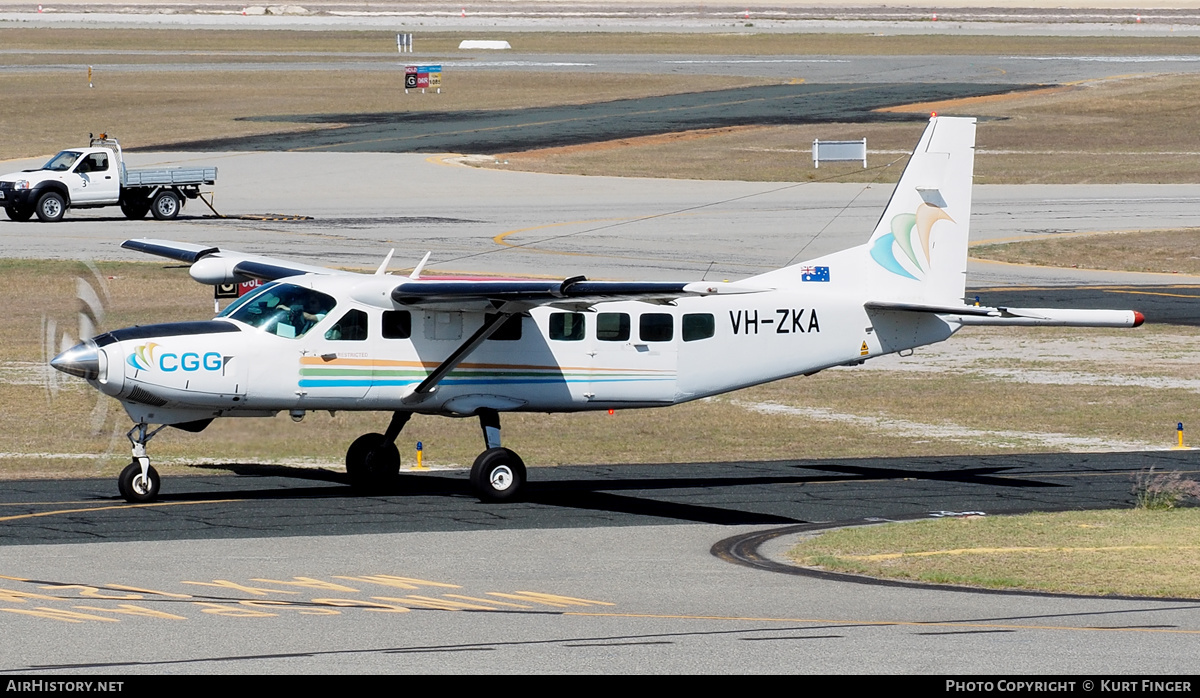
1138	319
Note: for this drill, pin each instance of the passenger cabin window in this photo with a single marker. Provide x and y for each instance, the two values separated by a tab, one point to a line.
510	331
566	327
285	310
397	324
656	327
352	327
698	326
612	327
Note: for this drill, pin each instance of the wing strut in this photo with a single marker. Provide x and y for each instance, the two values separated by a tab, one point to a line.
491	323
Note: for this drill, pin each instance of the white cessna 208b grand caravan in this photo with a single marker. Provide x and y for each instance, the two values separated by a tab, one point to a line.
313	338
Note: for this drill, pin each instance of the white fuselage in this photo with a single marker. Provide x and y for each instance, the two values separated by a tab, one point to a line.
626	354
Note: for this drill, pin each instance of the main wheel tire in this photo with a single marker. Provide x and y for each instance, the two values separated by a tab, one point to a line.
51	207
498	475
135	488
18	213
165	205
134	210
372	463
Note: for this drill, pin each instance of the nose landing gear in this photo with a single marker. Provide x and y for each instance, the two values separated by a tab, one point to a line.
139	482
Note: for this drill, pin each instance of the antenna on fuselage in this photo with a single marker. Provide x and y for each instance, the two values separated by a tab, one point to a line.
383	267
416	273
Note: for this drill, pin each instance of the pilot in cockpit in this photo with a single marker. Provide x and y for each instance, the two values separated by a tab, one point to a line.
305	317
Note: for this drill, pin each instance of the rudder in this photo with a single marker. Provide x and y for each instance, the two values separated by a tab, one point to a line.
919	246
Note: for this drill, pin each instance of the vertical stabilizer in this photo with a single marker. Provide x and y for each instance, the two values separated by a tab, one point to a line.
918	252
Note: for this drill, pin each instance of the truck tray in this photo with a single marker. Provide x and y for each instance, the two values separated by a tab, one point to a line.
170	176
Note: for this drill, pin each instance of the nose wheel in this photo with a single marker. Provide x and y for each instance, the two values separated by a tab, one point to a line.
138	483
137	487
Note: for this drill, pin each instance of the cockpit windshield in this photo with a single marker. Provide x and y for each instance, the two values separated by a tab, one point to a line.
63	161
281	309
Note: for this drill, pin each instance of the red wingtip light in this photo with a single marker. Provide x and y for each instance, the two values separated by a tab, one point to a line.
612	411
1138	319
933	115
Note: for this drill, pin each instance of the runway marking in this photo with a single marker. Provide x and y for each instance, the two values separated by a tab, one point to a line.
15	517
880	623
226	584
1152	293
262	605
131	610
400	582
501	238
443	159
59	614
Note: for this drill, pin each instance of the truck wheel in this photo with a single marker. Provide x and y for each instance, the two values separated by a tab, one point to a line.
135	210
51	207
18	213
165	205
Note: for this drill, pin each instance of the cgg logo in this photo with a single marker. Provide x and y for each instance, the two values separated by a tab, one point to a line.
190	361
146	356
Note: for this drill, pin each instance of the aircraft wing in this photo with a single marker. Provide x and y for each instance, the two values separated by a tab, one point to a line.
211	265
576	291
1055	317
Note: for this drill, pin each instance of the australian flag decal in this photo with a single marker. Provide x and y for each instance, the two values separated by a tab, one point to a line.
814	273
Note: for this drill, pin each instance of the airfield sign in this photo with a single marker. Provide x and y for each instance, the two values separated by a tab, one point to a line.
422	77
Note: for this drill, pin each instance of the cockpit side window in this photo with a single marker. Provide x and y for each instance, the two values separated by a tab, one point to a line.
249	296
351	328
285	310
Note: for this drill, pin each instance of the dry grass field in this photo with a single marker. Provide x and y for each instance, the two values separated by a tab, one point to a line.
1142	553
1158	251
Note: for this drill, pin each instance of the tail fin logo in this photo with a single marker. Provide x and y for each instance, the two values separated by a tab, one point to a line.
910	235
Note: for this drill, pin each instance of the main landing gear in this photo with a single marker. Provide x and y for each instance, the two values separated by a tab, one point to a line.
139	482
498	474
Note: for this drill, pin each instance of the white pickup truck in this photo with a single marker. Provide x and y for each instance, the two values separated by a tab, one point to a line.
95	176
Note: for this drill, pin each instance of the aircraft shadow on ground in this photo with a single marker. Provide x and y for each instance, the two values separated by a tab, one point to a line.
653	496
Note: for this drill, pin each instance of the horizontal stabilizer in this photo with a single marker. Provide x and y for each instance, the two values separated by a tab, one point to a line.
1059	317
1046	317
935	309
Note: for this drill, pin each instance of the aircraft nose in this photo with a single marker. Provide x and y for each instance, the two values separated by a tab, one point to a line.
81	360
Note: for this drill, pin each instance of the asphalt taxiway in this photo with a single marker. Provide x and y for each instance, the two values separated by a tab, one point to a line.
607	569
